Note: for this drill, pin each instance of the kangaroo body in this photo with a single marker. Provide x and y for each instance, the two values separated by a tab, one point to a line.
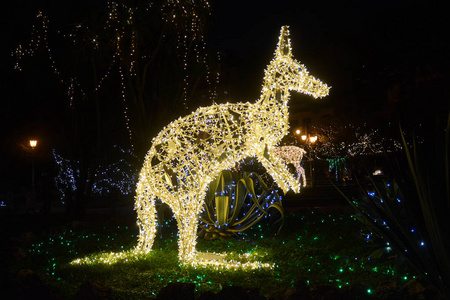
191	151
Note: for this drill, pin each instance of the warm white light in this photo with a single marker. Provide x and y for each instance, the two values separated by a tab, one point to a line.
297	131
191	151
33	143
304	137
293	155
313	139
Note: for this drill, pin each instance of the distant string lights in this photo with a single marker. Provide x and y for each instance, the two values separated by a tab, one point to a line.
351	140
183	16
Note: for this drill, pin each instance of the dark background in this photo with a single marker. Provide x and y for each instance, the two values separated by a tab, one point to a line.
351	45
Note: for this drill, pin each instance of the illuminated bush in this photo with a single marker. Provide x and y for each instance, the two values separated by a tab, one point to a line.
103	177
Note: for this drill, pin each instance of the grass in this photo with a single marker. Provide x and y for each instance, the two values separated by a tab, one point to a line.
316	247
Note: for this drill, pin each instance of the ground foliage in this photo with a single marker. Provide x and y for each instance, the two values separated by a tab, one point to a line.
316	247
410	209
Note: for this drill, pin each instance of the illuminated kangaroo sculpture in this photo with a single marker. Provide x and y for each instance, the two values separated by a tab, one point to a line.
191	151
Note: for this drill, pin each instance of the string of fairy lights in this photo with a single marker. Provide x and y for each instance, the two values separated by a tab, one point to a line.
125	111
190	31
182	16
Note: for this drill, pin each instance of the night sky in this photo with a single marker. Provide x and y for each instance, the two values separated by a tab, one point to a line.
332	39
334	42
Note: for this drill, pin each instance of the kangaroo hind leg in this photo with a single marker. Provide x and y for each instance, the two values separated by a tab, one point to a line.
146	212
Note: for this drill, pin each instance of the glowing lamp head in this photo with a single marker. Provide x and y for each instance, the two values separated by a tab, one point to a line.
33	143
313	139
304	137
297	131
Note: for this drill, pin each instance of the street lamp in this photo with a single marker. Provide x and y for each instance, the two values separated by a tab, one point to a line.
309	140
33	144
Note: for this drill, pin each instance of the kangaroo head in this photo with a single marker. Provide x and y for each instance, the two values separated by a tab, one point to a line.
284	74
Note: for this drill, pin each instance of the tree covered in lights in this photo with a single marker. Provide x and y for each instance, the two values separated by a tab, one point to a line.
124	68
191	151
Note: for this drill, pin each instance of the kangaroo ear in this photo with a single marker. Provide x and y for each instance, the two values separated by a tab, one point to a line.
284	43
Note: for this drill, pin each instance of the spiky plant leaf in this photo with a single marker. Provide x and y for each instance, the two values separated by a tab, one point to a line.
236	202
222	209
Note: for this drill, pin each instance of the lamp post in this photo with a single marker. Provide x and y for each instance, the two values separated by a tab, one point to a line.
310	140
33	144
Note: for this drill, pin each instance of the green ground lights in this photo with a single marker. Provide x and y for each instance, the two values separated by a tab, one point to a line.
334	252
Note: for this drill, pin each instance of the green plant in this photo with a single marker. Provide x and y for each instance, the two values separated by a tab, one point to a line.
410	211
236	202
